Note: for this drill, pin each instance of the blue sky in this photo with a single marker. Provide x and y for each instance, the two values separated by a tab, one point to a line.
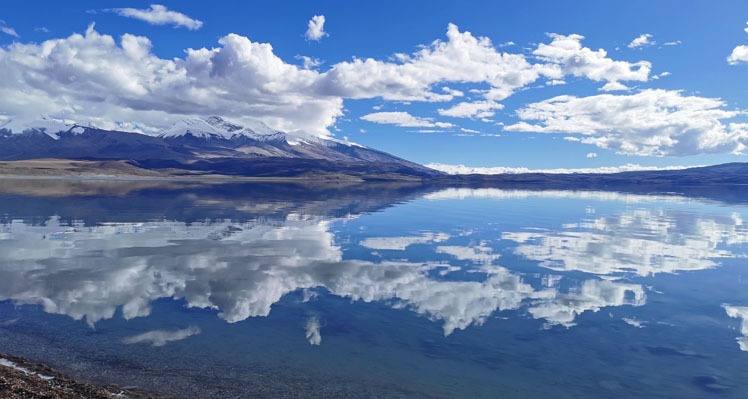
375	74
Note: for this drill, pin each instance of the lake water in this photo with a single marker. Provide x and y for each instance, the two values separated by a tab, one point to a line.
378	291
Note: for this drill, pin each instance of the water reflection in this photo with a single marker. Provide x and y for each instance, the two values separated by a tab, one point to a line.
243	269
380	283
162	337
740	312
640	241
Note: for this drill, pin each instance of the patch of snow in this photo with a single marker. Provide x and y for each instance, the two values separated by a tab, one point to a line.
49	126
218	127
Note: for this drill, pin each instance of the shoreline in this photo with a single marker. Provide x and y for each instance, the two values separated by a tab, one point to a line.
22	378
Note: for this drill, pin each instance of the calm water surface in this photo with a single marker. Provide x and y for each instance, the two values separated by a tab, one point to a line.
377	291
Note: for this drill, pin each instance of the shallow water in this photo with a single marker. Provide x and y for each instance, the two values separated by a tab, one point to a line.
379	291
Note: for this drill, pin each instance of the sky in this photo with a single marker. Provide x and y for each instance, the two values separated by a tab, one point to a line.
470	85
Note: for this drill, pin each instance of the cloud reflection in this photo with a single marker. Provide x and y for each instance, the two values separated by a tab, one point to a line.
162	337
643	242
313	334
740	312
242	269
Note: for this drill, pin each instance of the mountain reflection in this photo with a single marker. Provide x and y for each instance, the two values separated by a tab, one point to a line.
641	241
242	268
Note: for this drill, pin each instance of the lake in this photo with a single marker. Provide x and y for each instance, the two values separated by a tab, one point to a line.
378	290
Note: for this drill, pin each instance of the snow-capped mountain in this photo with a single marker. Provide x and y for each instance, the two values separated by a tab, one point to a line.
210	144
217	127
49	126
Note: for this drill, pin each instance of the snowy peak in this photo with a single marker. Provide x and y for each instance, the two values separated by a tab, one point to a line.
217	127
49	126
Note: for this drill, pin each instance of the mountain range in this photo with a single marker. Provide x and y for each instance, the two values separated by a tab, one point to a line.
215	147
210	145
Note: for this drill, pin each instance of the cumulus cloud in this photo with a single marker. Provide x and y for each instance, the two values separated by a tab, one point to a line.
462	58
99	79
316	28
568	54
739	55
162	337
591	155
403	119
478	109
160	15
642	40
94	78
614	86
309	62
650	123
8	30
452	92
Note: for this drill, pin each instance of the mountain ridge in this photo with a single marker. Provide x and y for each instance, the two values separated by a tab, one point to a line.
210	145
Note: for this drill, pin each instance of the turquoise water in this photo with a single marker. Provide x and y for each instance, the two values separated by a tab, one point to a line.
387	291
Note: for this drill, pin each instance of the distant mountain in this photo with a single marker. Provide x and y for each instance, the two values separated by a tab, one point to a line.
211	145
668	180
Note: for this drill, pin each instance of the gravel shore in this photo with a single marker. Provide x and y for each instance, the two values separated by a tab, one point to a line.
21	379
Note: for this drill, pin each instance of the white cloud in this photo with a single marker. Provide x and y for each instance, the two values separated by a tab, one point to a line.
478	109
309	62
92	77
403	119
497	170
591	155
672	43
567	53
452	92
312	331
650	123
8	30
162	337
739	54
614	86
642	40
462	58
107	81
316	28
160	15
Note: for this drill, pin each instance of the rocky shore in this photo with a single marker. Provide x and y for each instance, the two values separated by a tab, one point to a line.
21	379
